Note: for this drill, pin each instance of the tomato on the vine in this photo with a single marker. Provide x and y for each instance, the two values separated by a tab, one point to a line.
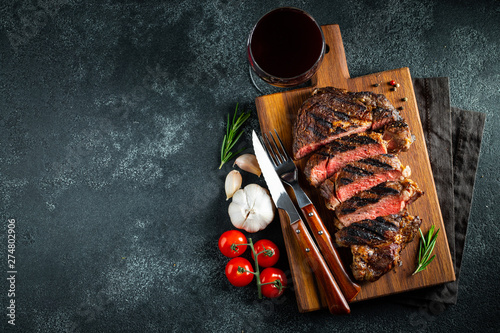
278	282
237	272
228	239
268	258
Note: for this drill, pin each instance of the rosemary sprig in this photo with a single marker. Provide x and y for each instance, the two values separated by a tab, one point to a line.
425	249
232	136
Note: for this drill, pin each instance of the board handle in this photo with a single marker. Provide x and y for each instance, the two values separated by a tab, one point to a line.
333	70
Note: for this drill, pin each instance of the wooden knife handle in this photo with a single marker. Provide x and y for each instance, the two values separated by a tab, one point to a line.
329	252
337	303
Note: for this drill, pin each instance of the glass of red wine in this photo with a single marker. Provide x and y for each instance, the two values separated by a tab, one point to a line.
286	47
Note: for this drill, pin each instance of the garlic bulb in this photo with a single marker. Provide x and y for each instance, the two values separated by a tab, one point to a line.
233	183
251	209
248	162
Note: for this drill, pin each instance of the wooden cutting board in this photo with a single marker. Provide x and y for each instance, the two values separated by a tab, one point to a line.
278	111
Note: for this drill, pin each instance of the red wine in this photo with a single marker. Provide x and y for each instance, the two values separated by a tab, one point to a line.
286	43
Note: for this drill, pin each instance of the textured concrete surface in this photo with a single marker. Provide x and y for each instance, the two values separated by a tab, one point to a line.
111	119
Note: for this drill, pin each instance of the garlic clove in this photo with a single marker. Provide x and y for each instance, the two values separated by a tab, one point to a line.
248	162
251	209
233	183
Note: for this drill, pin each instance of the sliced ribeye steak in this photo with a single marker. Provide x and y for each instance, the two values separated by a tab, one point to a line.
371	261
362	175
383	229
384	199
331	158
328	115
331	113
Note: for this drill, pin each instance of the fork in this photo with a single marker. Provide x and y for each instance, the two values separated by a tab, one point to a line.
288	173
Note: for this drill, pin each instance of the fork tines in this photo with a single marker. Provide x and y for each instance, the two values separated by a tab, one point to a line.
277	153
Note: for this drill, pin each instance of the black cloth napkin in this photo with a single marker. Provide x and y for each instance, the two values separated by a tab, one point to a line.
453	137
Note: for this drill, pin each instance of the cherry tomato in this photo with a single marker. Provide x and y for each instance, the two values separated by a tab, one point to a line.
275	275
227	240
235	276
264	259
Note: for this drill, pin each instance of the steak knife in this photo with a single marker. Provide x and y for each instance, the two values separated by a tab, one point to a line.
337	304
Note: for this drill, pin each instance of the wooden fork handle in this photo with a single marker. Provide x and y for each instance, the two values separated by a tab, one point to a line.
329	252
337	304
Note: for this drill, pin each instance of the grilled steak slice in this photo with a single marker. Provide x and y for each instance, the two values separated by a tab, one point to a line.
361	175
331	158
369	232
367	173
370	262
328	115
384	199
331	113
380	230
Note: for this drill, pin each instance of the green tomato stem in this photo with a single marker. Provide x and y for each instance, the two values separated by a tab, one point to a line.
267	252
257	271
235	248
277	283
243	270
272	282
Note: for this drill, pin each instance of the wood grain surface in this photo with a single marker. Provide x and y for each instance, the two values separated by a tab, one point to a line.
278	111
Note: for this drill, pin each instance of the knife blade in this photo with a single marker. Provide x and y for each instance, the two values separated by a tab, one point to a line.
337	303
273	181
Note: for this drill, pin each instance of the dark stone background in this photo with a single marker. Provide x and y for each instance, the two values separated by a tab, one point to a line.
111	119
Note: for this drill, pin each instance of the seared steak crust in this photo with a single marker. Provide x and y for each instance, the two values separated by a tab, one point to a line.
368	232
371	261
398	136
383	112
